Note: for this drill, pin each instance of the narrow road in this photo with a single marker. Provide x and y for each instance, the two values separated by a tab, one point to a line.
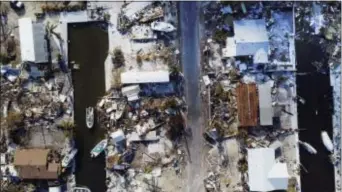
190	58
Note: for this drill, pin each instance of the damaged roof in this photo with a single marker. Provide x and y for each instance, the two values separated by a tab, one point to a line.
250	38
33	164
247	101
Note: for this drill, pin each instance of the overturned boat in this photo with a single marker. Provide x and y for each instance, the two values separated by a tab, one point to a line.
99	148
327	141
162	26
70	156
90	117
308	147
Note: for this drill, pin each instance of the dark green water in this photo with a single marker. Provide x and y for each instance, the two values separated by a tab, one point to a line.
88	47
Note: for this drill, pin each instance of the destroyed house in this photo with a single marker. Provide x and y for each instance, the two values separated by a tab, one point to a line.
32	41
32	164
132	10
247	104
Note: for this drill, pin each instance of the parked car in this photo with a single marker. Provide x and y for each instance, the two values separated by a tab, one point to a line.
18	5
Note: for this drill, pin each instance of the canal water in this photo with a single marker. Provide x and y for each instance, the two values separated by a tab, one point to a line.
314	116
88	47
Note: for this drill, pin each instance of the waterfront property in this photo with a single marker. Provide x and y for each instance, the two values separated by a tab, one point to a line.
250	38
33	164
265	174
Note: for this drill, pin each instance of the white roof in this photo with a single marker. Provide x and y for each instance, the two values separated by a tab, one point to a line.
118	136
26	39
265	104
263	171
132	92
230	49
145	77
32	41
250	31
129	90
55	189
250	38
260	56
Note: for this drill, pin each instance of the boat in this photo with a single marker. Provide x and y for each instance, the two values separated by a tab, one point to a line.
90	117
81	189
308	147
327	141
98	148
162	26
68	157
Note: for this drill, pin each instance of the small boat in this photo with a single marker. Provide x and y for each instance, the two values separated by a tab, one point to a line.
119	111
327	141
70	156
101	103
90	117
81	189
162	26
99	148
308	147
5	109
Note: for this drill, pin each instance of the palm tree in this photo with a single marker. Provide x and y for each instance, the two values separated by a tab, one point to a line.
50	30
4	8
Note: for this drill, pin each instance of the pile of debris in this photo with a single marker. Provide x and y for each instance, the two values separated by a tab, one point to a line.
31	99
132	122
142	18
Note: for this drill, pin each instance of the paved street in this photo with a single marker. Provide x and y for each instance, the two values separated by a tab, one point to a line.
190	50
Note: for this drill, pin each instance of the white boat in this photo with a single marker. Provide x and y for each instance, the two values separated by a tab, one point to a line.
90	117
81	189
162	26
327	141
308	147
70	156
99	148
101	103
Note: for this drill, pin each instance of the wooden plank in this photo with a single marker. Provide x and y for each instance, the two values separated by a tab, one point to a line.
247	101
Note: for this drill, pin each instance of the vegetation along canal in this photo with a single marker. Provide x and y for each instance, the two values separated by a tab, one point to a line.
88	47
314	116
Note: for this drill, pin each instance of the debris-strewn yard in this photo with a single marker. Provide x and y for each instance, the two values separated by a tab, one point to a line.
36	98
231	124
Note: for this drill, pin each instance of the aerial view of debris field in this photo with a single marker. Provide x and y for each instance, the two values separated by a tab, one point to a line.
170	96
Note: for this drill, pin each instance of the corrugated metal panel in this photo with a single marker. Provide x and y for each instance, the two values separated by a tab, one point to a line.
40	44
145	77
26	39
265	104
